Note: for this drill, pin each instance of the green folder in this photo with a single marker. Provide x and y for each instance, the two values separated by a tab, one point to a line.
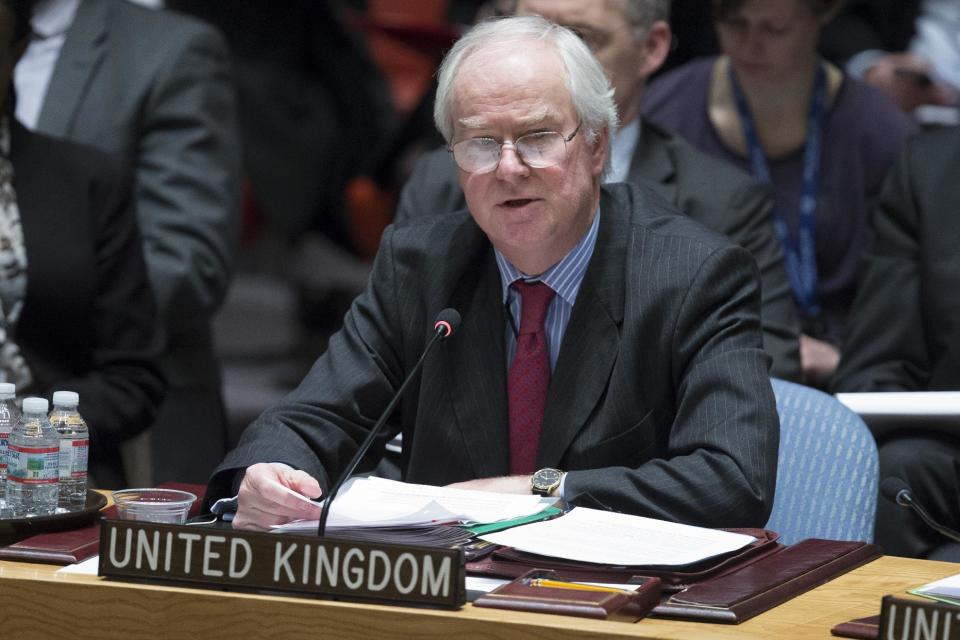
482	529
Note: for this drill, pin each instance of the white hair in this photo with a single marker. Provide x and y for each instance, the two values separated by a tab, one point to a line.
587	82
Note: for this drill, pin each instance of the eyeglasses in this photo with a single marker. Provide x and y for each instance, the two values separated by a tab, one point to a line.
536	150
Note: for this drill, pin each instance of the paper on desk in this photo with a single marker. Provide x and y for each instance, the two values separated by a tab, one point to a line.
480	584
607	538
377	502
947	588
88	567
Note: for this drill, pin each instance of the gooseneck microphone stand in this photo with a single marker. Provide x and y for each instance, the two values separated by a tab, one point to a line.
447	322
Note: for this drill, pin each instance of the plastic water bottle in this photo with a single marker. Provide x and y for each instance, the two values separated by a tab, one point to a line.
8	417
74	449
33	462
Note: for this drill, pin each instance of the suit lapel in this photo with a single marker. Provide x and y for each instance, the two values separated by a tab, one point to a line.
83	51
592	339
652	163
476	366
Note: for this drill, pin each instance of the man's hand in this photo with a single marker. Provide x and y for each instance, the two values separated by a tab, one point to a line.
818	359
905	78
263	500
503	484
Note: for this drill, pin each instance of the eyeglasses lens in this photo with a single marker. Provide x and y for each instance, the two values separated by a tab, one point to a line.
536	150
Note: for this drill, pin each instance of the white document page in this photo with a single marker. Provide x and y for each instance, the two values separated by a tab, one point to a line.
479	584
377	502
88	567
603	537
945	588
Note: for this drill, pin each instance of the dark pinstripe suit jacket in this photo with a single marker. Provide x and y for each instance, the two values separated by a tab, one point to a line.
660	403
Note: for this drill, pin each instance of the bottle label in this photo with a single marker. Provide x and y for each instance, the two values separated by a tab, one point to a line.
3	452
73	458
33	465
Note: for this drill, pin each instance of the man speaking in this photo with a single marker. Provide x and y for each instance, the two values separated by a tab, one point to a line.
610	350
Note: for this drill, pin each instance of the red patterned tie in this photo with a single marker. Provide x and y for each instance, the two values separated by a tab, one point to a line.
529	377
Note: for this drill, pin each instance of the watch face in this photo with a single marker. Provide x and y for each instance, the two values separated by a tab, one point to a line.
546	478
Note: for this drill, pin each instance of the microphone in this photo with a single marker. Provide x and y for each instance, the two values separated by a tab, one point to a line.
896	490
446	323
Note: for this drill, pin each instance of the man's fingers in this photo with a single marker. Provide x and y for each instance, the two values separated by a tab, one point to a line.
303	483
253	519
273	486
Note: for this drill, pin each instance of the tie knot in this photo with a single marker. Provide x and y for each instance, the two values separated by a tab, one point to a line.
535	298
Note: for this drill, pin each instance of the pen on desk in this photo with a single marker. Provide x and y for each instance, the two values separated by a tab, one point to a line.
557	584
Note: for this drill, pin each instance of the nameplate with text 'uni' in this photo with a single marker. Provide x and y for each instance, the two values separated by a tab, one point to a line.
902	619
193	556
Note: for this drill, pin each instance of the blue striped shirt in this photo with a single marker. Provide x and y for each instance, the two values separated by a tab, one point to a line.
564	278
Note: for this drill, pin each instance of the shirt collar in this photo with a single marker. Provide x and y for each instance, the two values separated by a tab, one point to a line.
564	277
53	17
621	151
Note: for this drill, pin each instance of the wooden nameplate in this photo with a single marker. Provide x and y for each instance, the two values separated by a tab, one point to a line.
194	556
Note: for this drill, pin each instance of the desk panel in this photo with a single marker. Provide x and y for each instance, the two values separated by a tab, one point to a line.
36	603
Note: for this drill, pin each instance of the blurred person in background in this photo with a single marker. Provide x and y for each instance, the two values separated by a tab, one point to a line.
905	336
314	108
909	49
156	89
824	141
76	308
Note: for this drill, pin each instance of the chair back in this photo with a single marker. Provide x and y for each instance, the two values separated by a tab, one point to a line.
827	469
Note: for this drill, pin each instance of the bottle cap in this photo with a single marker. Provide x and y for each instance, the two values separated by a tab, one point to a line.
66	398
7	390
35	405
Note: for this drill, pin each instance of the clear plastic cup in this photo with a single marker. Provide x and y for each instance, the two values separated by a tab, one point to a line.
168	506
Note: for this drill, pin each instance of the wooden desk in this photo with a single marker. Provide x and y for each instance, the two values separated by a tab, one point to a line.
35	603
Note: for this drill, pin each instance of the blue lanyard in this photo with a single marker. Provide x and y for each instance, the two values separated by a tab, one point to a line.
801	254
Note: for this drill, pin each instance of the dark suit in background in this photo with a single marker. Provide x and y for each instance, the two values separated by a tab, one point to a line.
659	404
154	88
89	319
886	25
711	192
314	108
905	333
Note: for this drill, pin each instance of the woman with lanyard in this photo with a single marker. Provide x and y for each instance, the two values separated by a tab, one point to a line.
823	141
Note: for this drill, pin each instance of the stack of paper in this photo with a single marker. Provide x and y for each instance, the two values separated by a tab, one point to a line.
945	590
376	502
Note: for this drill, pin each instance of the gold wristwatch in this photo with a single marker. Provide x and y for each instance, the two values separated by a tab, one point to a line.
545	481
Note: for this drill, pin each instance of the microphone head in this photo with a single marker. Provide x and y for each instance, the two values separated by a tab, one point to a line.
896	490
447	322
